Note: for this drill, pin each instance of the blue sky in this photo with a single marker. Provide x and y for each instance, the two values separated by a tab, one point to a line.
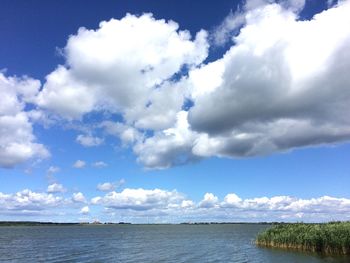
174	111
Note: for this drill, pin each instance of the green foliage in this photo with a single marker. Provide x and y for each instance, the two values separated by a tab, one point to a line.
329	238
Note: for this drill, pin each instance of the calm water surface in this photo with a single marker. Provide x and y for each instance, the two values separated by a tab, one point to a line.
143	243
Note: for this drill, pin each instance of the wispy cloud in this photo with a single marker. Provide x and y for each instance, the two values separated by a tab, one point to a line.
52	170
107	186
55	188
79	164
88	140
85	210
99	164
78	197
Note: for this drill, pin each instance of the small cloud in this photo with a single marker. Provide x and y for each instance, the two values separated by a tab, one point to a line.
55	188
209	201
121	182
88	140
106	187
28	171
99	164
85	210
96	200
78	198
53	170
79	164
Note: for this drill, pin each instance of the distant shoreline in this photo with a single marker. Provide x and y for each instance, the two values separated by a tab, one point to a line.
38	223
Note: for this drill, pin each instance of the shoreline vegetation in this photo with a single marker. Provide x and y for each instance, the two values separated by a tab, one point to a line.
326	238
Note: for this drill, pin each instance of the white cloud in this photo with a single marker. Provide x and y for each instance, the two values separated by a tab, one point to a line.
78	197
172	206
85	210
88	140
96	200
107	186
52	170
231	25
99	164
159	203
168	147
140	199
278	88
101	76
204	80
124	66
232	200
227	29
260	98
17	141
292	5
209	201
127	134
65	95
187	204
55	188
27	200
79	164
286	204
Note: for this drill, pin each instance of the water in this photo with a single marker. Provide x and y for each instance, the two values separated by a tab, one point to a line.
143	243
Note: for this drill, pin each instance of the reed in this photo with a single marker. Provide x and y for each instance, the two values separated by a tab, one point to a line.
328	238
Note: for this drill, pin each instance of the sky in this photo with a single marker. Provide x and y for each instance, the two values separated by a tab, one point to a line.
176	111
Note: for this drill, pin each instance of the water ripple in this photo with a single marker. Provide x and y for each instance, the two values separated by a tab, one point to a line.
143	243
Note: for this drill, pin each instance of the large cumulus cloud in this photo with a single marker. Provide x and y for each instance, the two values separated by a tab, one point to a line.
17	141
284	84
125	66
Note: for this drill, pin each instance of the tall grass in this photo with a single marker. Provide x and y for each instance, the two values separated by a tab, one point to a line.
328	238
